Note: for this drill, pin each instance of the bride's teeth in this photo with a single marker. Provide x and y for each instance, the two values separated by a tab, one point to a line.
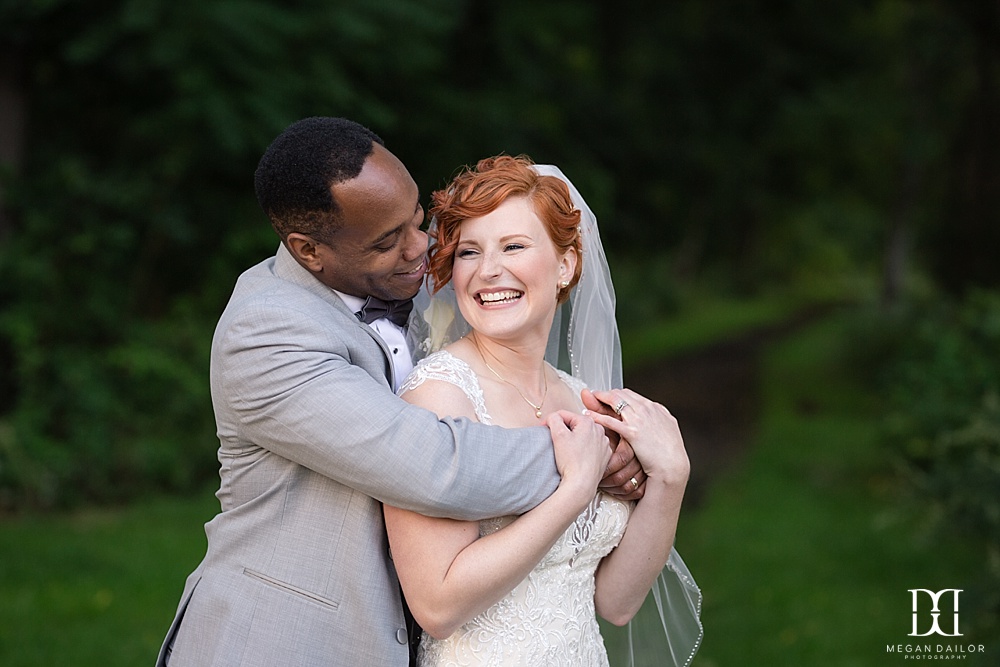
495	297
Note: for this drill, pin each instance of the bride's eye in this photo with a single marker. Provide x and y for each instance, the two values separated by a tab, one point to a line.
466	253
514	246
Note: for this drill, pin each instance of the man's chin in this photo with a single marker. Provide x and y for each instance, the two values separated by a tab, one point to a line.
397	292
407	286
412	293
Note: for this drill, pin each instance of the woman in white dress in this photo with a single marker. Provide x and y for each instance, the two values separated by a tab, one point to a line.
526	590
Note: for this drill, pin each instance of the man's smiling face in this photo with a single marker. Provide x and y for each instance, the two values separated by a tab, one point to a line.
380	249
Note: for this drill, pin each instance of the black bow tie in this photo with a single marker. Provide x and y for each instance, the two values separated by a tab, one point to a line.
397	312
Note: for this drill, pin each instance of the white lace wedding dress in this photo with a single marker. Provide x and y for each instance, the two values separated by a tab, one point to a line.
549	619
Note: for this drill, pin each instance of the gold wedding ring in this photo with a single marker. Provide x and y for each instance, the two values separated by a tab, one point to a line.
635	483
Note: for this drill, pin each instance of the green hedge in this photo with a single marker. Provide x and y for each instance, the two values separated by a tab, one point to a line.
943	384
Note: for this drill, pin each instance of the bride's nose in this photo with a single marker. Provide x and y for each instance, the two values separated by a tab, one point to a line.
490	265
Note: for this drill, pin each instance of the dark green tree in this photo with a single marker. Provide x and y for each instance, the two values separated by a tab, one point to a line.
131	211
746	146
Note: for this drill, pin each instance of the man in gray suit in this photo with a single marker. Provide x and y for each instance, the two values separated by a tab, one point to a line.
313	439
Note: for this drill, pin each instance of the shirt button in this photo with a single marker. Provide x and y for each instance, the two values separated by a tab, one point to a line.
401	635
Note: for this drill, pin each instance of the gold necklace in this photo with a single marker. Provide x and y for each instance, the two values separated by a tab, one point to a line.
545	380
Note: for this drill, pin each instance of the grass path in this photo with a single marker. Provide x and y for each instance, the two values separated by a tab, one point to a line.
803	553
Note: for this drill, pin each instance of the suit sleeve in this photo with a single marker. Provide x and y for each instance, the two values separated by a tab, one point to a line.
284	381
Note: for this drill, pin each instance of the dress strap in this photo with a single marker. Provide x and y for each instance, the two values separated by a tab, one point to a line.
446	367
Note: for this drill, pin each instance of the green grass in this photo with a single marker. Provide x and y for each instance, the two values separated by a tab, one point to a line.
804	553
96	587
802	550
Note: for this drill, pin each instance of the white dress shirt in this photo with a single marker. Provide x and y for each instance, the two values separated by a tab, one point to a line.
393	335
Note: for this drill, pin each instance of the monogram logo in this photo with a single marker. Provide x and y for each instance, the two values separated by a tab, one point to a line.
935	611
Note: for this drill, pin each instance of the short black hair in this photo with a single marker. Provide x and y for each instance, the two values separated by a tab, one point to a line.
295	174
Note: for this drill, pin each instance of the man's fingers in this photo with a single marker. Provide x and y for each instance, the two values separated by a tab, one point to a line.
622	486
624	479
623	457
621	469
634	495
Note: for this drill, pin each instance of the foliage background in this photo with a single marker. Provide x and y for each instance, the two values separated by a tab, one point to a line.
808	151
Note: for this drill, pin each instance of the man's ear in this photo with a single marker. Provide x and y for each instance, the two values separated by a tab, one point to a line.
305	250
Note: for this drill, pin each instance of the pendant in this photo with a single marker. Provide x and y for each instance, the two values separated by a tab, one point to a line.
538	412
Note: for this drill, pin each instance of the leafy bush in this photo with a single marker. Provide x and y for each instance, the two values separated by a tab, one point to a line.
944	389
132	213
128	212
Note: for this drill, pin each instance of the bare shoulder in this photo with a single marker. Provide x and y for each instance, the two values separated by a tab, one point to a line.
443	398
463	350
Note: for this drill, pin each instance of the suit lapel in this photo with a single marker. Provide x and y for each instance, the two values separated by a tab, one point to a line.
286	268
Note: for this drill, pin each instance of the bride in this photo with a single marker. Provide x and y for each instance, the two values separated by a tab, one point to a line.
513	240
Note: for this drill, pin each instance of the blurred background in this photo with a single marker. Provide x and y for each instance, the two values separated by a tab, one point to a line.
799	200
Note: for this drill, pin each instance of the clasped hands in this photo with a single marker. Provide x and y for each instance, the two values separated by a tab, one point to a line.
624	476
624	466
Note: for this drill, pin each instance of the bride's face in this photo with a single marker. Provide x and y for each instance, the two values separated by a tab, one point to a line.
507	272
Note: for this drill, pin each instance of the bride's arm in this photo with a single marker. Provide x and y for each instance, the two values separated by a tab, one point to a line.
627	573
449	574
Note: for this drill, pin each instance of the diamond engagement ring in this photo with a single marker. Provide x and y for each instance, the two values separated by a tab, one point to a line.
621	405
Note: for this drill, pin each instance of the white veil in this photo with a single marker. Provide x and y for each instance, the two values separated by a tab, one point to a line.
584	342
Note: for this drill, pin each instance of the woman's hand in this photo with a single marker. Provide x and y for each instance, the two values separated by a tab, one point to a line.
626	574
623	478
651	431
582	452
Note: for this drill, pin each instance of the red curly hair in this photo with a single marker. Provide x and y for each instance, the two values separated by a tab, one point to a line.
481	190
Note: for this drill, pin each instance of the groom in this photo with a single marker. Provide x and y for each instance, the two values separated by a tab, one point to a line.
312	438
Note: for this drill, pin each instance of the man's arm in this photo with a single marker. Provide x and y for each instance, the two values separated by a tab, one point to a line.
312	406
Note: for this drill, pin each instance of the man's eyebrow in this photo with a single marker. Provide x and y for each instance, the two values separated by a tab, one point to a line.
386	235
396	230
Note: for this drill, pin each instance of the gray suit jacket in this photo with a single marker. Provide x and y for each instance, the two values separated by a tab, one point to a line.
298	570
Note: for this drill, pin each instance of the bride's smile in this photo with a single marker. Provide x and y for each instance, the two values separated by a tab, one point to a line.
498	297
507	271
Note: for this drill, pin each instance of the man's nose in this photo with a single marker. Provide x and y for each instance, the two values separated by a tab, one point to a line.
416	244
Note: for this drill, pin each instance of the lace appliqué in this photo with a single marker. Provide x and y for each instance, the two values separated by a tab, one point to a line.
549	618
446	367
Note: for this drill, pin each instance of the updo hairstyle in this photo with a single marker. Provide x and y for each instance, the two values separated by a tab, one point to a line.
475	192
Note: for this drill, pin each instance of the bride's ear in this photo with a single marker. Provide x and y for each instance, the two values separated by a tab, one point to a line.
567	267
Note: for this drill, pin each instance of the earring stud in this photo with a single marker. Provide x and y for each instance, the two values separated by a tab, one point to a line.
564	283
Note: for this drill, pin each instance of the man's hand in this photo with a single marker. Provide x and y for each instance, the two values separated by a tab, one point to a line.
624	477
